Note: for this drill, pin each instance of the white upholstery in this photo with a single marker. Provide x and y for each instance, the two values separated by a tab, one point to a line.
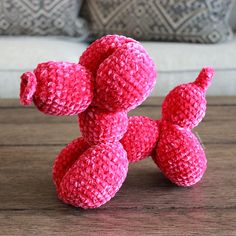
180	63
19	54
176	62
26	52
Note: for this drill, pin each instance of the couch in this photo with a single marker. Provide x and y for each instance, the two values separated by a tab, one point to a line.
176	62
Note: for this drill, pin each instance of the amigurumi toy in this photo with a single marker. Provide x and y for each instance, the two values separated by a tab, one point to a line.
114	75
174	148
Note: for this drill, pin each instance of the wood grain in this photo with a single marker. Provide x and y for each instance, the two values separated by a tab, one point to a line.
31	169
147	204
30	116
214	131
128	222
150	101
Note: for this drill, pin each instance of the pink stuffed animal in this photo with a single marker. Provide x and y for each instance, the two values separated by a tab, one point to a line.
114	75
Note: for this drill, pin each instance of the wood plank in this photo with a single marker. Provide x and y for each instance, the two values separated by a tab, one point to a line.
211	101
9	102
150	101
26	183
62	133
32	115
125	222
220	113
30	127
38	134
147	202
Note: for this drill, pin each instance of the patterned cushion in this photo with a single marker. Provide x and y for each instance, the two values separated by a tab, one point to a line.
41	17
200	21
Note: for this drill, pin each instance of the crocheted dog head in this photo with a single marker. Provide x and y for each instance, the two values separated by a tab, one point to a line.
114	73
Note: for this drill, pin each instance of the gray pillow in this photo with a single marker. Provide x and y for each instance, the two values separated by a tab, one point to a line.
41	17
232	19
198	21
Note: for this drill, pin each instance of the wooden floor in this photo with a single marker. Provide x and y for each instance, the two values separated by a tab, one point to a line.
147	204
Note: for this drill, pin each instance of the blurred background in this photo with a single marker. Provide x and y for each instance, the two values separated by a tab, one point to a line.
181	36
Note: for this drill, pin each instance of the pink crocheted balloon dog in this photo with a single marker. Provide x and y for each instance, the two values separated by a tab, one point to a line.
114	75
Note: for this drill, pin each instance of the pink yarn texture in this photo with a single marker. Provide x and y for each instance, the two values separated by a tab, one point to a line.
178	153
58	88
101	126
140	138
67	158
95	177
114	75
